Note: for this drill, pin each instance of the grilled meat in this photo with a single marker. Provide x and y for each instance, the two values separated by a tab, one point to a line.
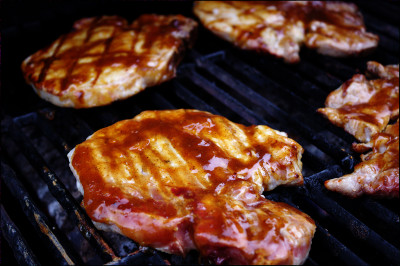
374	69
364	107
104	59
253	26
337	29
185	179
281	27
378	173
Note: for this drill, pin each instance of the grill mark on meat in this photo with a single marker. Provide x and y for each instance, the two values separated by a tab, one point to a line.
103	56
67	79
50	60
153	175
174	156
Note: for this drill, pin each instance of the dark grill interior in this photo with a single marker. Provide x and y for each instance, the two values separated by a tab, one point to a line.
41	218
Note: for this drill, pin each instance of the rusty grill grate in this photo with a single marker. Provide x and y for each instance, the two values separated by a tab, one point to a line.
41	218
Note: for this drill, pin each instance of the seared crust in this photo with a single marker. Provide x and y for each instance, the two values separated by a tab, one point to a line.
378	173
104	59
281	27
364	107
185	179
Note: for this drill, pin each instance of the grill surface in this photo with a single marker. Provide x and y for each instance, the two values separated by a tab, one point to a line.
42	221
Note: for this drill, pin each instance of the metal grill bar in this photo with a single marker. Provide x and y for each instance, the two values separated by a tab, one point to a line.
388	217
39	220
11	233
51	134
303	94
296	85
226	99
186	95
387	30
332	66
385	11
71	123
385	56
342	252
150	257
374	215
358	229
59	191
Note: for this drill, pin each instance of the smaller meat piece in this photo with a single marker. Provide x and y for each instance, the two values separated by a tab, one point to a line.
364	107
253	25
337	29
105	59
282	27
374	69
378	173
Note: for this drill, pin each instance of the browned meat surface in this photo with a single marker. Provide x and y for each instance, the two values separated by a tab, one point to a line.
364	107
337	29
281	27
104	59
378	173
185	179
374	69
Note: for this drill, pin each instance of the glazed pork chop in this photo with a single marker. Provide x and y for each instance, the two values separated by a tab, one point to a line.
282	27
364	107
185	179
104	59
378	173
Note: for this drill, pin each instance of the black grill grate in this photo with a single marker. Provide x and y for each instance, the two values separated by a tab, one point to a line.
41	217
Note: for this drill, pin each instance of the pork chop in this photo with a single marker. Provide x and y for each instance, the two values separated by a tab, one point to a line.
185	179
104	59
282	27
364	107
378	173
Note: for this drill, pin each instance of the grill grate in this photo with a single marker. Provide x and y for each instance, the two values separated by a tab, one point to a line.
38	219
242	86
